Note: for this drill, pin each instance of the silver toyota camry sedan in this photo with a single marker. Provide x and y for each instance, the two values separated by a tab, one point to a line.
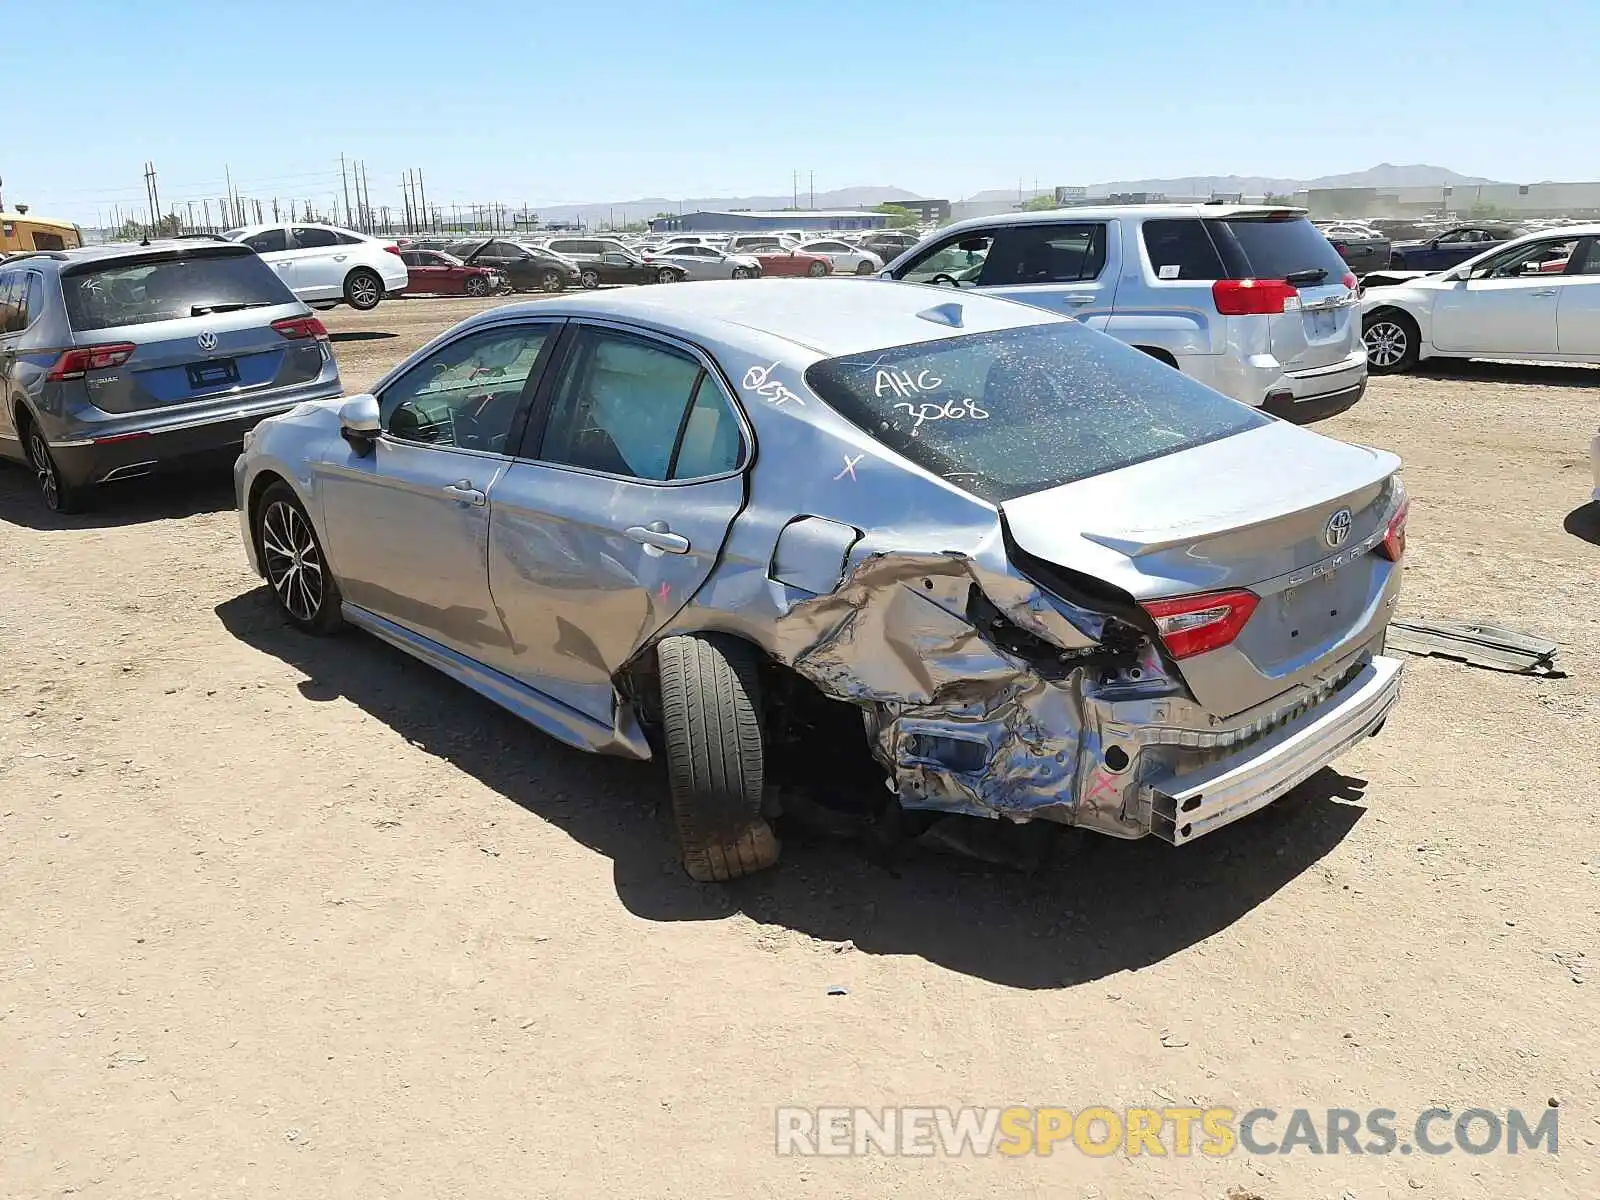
1055	578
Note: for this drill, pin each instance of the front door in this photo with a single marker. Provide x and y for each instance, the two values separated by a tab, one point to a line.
408	522
317	276
615	514
1507	307
1062	268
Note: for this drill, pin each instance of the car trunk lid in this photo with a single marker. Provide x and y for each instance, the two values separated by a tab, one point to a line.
1296	525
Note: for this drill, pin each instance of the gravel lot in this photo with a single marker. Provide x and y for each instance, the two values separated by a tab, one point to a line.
301	918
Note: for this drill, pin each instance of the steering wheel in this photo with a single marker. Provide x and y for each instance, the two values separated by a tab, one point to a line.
943	280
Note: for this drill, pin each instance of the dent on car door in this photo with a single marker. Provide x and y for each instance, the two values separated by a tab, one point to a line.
408	522
615	514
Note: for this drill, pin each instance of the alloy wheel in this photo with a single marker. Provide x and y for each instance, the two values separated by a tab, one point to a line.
1386	343
364	292
44	469
293	562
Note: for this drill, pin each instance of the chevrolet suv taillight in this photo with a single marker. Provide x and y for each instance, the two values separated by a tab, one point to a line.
1394	537
1191	625
73	364
297	328
1252	297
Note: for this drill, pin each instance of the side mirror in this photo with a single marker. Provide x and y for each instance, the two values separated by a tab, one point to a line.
359	422
885	274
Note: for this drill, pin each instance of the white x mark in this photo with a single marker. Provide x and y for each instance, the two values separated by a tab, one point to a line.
849	466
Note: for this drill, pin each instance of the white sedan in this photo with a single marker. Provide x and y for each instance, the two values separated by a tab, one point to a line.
707	262
1535	299
846	259
323	264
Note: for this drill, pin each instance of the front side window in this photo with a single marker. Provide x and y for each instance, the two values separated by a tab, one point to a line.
466	394
1540	258
1032	254
954	262
268	241
1021	410
628	406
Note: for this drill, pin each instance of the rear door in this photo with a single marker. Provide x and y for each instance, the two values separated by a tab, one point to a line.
273	247
616	511
1322	328
200	324
318	261
1067	268
1578	306
15	287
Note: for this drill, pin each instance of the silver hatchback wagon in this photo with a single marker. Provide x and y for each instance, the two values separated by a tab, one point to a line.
121	360
1045	576
1253	301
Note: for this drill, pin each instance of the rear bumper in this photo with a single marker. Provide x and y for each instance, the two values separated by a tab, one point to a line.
1315	408
1196	803
170	441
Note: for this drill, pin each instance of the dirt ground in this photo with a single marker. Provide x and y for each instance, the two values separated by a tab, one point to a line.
289	917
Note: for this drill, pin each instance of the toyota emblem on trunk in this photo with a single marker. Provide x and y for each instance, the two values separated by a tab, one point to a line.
1337	529
207	341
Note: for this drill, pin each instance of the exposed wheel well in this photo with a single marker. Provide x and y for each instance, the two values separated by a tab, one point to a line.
1160	355
257	486
1391	310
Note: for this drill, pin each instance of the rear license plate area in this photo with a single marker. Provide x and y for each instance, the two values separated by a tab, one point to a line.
220	372
1323	322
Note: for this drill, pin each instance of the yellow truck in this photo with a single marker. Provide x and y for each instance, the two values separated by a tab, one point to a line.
21	231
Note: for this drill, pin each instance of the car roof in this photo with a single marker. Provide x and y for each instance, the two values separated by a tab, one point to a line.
108	251
829	317
1106	212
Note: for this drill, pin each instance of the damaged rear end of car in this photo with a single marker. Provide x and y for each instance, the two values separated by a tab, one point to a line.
1174	616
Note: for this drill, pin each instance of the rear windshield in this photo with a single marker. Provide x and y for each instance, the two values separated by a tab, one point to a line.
169	289
1274	247
1020	410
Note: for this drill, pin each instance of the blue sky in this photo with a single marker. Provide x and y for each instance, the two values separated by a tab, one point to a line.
537	103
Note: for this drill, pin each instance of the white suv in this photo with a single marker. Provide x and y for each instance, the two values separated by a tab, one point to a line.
323	264
1250	300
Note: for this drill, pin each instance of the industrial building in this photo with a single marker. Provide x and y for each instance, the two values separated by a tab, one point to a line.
811	220
1512	201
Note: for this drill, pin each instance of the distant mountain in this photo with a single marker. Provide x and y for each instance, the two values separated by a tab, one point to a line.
1382	175
647	207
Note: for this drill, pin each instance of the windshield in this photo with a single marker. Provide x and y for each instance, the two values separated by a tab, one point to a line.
1021	410
134	293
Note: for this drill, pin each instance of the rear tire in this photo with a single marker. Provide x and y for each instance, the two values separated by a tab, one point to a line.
363	289
711	723
292	560
1393	341
58	495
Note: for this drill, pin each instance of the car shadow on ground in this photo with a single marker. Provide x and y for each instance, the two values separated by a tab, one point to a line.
1111	906
1583	523
1574	375
157	498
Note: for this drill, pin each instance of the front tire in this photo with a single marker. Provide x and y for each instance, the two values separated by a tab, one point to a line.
363	290
1392	340
476	286
58	495
741	273
711	723
817	270
864	268
666	275
551	281
591	279
295	567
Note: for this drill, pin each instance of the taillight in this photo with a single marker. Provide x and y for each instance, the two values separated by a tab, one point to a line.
74	363
1252	297
1339	248
394	250
1191	625
296	328
1394	537
1349	280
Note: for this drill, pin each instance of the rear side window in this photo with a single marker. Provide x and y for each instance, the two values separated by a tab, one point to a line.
1025	254
1021	410
1273	247
313	239
268	241
13	297
169	289
1181	250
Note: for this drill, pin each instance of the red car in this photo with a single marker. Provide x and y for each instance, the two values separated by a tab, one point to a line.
791	262
437	273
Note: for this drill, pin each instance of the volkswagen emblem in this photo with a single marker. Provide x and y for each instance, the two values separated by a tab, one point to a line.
208	343
1337	530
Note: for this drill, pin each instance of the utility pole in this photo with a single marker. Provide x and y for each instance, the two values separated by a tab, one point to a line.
190	203
151	199
794	179
343	179
258	212
813	189
205	207
422	197
405	197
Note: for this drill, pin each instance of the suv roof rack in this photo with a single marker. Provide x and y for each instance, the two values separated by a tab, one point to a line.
8	259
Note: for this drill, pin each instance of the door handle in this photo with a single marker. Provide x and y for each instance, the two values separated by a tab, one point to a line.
658	537
1080	298
1544	292
340	257
463	491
